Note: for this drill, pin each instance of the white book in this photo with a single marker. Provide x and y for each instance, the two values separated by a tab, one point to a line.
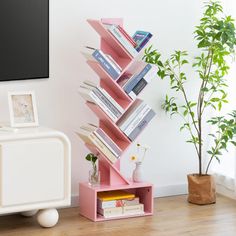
131	114
106	94
123	41
136	120
89	95
133	210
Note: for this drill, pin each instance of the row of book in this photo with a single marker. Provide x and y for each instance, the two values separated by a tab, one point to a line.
95	136
132	44
96	94
134	84
118	203
136	119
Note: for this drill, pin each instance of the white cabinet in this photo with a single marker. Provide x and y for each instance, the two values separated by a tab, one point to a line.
34	170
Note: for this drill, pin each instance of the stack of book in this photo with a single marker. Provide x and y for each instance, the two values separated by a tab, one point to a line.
118	203
106	61
135	119
93	135
95	94
134	84
141	38
123	37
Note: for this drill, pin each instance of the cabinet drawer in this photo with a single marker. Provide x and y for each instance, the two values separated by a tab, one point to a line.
31	171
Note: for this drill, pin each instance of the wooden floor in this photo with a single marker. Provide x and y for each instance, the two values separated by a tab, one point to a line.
172	216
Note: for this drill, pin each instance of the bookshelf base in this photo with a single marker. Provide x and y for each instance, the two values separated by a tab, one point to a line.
88	199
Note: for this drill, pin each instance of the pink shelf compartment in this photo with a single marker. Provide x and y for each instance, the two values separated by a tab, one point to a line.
110	39
89	205
105	78
110	173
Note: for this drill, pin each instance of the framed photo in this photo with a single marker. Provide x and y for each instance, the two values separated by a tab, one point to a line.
23	110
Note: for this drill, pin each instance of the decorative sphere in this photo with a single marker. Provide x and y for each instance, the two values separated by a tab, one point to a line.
48	218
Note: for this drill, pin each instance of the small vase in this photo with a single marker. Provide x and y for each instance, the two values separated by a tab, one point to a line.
94	177
137	173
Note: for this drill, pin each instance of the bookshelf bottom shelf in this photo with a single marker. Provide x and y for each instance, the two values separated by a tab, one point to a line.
88	196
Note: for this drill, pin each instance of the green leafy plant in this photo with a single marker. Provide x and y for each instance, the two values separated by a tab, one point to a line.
215	36
93	159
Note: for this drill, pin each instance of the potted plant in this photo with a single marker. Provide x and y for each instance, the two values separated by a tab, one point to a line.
215	37
94	176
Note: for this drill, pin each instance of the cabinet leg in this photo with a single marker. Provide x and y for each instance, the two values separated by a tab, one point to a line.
48	217
29	213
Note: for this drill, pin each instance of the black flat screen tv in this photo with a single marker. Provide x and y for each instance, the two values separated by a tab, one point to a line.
24	39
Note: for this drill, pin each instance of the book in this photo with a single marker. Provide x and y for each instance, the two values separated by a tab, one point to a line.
117	203
121	211
132	112
132	125
134	80
141	38
109	98
91	139
142	83
113	29
108	142
131	40
114	195
142	124
106	64
89	95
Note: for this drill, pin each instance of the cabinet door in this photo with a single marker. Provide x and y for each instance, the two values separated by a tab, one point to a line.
31	171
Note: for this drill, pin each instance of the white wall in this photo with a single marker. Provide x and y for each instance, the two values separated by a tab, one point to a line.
59	105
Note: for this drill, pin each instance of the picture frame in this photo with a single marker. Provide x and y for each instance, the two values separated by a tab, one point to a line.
22	108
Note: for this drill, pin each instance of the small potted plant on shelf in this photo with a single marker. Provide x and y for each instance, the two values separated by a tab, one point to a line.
94	176
215	36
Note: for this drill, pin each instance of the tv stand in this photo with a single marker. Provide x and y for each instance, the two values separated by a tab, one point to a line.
35	173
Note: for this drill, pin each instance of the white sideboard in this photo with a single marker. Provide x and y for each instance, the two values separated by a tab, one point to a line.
35	172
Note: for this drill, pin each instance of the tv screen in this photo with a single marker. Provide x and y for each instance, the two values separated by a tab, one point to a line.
24	39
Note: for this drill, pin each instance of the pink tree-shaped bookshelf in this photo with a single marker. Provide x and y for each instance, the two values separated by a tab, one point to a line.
111	177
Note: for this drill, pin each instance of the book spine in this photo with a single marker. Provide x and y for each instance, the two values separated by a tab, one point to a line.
136	121
111	99
131	84
103	148
131	116
141	125
105	64
125	34
111	212
143	43
124	42
138	88
133	210
95	99
117	203
108	142
107	103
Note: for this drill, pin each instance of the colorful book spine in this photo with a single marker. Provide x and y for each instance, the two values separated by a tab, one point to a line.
131	83
142	83
145	41
108	142
130	115
117	203
103	61
123	40
107	103
143	123
125	34
141	38
90	96
91	139
137	120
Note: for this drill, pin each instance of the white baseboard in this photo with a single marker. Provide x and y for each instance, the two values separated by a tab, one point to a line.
225	191
160	191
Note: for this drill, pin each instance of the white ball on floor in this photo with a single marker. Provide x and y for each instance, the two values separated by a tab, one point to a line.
48	218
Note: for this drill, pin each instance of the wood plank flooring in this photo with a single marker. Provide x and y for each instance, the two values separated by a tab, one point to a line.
172	216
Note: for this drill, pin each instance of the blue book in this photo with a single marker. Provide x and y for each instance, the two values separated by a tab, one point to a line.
134	80
104	62
141	38
141	125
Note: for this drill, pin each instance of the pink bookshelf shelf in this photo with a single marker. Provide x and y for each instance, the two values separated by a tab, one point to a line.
88	197
111	176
